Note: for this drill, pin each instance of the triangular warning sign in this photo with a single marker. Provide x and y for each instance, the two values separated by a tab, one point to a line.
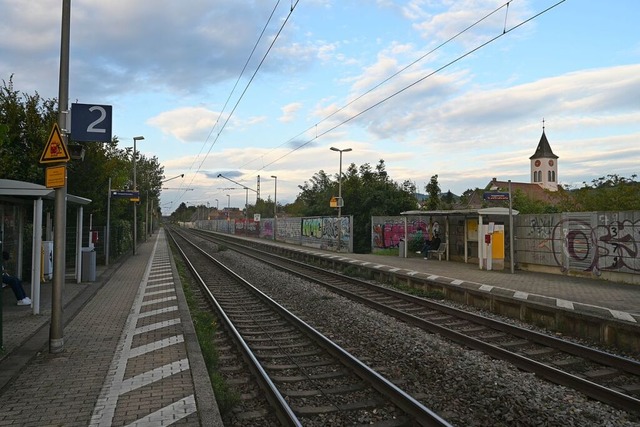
55	150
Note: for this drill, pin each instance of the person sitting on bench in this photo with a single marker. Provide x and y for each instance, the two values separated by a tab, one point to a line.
430	245
15	283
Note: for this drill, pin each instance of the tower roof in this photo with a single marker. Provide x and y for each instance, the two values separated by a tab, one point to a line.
544	149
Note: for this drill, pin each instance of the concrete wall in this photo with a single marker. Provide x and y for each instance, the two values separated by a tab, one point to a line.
314	232
595	243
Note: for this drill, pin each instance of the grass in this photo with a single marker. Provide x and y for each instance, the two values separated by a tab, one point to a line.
206	327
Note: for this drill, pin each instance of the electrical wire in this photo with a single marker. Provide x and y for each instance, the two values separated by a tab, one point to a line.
459	58
292	8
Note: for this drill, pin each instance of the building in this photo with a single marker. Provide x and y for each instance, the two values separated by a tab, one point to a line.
544	165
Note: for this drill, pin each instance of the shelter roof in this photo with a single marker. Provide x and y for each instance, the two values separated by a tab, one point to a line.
29	190
468	212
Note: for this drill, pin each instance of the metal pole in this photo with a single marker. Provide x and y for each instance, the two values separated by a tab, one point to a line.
135	204
511	231
56	333
135	188
246	211
275	206
146	215
340	196
108	231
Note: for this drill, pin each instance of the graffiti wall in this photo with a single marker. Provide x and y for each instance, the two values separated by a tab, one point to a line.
387	231
588	241
266	228
288	230
329	233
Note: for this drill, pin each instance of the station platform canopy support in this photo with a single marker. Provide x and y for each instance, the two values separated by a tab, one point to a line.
465	213
22	193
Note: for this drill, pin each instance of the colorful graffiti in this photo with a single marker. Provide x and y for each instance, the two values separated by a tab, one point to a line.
326	228
593	242
387	232
252	227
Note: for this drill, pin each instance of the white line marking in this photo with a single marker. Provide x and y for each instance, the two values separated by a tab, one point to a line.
158	311
153	375
169	414
563	303
623	315
160	285
157	345
164	291
105	407
521	295
156	326
156	301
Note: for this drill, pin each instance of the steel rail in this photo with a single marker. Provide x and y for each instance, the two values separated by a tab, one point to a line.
557	376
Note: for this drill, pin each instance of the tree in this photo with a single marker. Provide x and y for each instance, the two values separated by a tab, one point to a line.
366	192
26	121
433	190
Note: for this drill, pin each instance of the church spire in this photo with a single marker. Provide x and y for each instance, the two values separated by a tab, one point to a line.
544	149
544	165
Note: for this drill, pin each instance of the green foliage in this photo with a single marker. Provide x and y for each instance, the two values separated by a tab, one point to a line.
366	192
26	122
433	190
612	192
205	326
25	125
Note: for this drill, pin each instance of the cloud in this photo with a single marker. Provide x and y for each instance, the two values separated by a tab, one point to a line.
289	111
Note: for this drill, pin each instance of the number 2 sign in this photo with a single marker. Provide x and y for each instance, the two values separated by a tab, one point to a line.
90	123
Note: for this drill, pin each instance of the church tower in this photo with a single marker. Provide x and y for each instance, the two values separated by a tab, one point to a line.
544	165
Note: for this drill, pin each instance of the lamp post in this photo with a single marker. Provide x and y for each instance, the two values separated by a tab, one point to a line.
135	188
228	212
216	204
275	205
340	193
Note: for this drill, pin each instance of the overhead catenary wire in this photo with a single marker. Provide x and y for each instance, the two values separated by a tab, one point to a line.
293	6
318	135
398	92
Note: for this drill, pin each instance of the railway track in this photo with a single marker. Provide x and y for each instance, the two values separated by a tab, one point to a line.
297	376
600	375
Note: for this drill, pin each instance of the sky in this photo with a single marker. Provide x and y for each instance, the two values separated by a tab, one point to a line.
254	89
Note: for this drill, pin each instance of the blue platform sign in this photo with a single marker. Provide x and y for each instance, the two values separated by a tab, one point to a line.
90	123
495	196
125	194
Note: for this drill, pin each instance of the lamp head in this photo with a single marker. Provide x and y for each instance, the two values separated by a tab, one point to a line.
138	138
274	177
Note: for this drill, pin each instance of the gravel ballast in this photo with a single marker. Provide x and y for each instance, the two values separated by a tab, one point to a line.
465	387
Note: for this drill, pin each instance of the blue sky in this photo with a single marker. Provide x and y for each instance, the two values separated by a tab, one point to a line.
168	68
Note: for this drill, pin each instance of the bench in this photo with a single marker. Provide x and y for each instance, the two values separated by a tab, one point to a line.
440	251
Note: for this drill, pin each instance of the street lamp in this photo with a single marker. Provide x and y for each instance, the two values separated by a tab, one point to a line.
275	206
340	193
135	188
216	204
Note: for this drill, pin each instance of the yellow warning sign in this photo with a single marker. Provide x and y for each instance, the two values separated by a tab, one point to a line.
55	176
55	150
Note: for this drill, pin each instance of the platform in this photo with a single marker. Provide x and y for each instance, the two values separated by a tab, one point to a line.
130	354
